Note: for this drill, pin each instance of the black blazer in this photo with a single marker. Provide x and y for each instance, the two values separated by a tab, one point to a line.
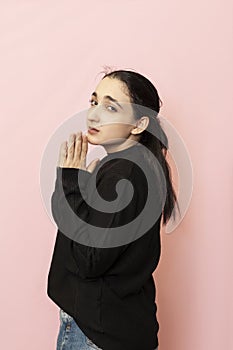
109	291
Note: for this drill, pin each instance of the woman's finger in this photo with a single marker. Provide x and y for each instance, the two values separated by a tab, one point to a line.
70	153
84	151
62	154
78	146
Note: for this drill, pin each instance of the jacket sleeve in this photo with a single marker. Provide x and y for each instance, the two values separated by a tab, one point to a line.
69	202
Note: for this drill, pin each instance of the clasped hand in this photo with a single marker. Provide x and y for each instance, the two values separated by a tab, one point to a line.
73	154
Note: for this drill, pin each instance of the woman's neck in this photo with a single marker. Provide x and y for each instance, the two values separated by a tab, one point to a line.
116	147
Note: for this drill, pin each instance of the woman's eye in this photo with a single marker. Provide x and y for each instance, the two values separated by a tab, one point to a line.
91	101
113	108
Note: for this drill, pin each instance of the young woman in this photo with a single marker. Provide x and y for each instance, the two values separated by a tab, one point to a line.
106	293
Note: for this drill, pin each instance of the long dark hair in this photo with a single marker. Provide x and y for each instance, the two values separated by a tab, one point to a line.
144	96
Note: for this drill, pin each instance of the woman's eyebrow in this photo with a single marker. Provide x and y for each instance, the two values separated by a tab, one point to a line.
107	97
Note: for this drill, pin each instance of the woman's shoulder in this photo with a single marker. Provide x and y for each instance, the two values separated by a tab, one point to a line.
122	164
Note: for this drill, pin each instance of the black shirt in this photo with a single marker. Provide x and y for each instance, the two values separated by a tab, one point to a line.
110	292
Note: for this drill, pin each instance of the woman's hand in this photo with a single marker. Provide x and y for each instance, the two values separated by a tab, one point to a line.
73	154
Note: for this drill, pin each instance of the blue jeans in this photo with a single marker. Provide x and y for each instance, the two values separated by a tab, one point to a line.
70	336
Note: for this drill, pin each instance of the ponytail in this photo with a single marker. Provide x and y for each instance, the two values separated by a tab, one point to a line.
155	141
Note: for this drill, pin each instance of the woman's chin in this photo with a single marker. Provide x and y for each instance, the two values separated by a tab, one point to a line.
91	140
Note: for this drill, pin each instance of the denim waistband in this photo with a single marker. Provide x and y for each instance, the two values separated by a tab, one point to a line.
64	316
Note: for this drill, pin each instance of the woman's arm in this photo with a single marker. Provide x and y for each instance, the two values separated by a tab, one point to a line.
73	216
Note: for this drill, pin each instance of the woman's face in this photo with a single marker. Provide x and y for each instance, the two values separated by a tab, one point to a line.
113	119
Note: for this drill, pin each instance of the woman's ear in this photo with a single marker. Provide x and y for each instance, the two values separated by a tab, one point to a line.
141	125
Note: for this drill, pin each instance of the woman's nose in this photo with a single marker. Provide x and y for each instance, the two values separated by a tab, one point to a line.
93	116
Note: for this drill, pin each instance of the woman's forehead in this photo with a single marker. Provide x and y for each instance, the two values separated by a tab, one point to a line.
112	87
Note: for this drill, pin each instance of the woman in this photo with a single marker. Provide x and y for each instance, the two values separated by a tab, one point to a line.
106	292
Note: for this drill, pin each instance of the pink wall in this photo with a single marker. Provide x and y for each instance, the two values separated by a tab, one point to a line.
51	53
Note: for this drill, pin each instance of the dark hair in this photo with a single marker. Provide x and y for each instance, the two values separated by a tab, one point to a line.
144	97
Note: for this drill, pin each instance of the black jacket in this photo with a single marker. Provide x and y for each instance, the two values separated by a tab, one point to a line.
110	292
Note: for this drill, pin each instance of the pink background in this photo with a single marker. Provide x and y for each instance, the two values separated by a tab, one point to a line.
51	53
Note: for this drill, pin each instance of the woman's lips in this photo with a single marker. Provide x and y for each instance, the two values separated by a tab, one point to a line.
93	131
